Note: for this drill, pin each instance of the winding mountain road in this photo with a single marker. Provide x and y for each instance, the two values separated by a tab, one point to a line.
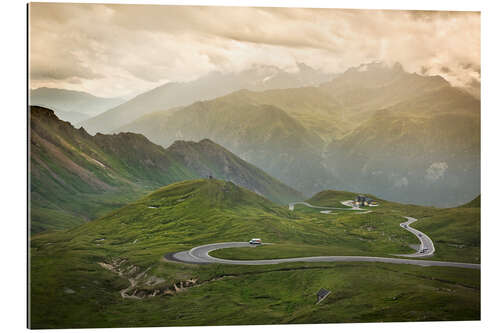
291	206
426	248
200	254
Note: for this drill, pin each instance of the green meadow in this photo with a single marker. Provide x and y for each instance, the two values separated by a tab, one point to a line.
79	276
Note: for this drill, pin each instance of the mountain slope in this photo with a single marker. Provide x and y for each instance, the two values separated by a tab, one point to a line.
425	150
476	203
70	105
210	86
207	158
374	128
77	177
263	135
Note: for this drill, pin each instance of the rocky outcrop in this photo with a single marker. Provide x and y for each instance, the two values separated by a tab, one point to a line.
142	284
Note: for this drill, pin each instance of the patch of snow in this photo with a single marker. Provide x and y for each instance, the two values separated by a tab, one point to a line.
436	171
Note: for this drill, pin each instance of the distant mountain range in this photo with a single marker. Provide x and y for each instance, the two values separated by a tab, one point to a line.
212	85
76	176
374	128
261	134
70	105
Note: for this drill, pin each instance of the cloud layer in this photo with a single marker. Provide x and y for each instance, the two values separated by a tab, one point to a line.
112	50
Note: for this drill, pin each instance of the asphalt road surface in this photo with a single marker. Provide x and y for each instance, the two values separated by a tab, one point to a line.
291	206
201	255
426	248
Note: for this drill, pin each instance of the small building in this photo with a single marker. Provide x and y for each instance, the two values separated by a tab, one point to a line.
361	200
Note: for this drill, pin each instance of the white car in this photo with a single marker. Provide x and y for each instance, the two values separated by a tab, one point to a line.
255	241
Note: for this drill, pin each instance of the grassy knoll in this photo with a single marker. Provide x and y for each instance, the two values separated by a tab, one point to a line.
76	177
331	198
71	286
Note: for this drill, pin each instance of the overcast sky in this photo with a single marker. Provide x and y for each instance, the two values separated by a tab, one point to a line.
116	50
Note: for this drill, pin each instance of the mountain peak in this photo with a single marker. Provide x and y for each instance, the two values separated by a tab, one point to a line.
44	114
376	66
180	144
41	111
207	141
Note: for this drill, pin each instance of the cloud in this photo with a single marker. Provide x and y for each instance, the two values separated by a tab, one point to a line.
119	49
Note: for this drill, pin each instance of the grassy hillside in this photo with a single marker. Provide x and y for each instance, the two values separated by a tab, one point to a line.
474	203
454	231
332	198
207	158
78	276
77	177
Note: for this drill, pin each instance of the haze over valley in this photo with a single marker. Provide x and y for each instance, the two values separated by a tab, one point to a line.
374	128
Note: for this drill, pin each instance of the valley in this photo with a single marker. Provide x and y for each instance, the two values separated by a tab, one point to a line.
374	128
133	240
76	177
